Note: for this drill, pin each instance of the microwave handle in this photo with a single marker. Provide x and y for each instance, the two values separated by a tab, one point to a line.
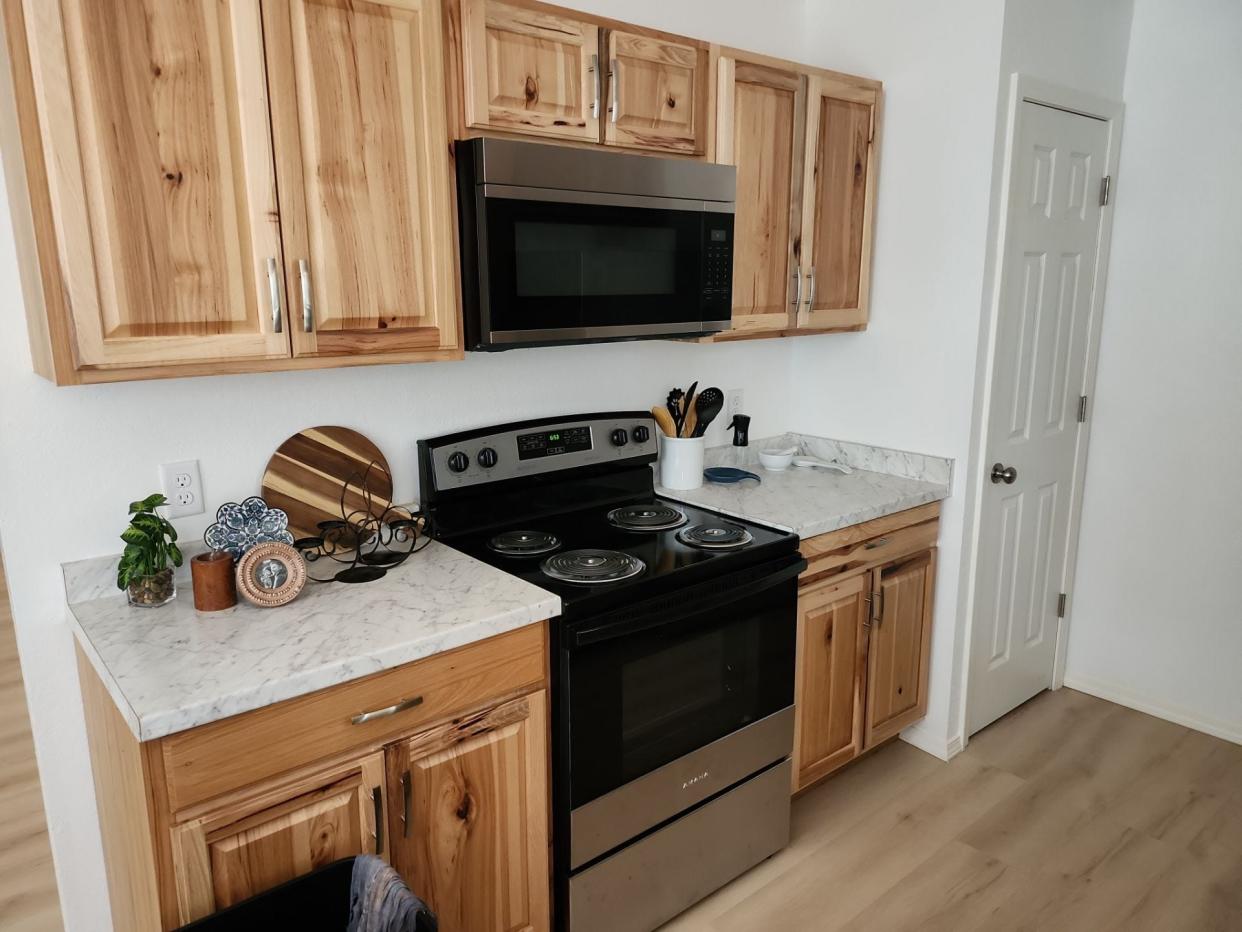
694	601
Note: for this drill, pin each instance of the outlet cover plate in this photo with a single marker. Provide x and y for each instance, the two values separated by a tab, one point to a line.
183	487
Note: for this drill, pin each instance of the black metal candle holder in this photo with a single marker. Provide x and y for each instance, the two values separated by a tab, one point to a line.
366	544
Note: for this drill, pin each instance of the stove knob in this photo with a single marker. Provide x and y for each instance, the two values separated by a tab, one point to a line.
641	434
458	462
487	457
620	437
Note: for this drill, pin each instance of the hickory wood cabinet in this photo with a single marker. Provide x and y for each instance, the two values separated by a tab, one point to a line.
224	185
540	70
452	789
803	141
864	632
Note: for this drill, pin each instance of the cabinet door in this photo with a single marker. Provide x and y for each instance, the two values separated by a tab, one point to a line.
358	111
253	840
760	127
658	93
830	676
838	201
472	820
154	123
530	71
900	639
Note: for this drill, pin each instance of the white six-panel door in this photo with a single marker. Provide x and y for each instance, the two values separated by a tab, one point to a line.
1048	282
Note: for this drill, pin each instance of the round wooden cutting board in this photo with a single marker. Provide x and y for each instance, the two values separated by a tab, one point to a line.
307	473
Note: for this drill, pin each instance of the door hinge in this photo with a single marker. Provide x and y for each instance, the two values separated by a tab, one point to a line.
1061	605
1106	190
1082	409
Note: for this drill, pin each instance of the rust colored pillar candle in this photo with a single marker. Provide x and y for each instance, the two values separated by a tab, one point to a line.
214	585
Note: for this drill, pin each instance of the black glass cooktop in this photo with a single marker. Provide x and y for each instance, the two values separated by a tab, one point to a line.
667	561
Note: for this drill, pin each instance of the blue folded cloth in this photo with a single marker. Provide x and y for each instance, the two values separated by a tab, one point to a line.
379	901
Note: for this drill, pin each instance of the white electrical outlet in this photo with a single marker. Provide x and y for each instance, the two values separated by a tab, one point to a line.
736	402
183	488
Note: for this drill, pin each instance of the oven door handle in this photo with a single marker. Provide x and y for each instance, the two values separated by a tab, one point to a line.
695	601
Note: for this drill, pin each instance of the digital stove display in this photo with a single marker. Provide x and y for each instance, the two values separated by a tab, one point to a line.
553	442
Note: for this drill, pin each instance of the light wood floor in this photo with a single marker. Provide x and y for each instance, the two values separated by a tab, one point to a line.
28	900
1069	813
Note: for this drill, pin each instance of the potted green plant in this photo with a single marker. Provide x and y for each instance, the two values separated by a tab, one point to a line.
146	568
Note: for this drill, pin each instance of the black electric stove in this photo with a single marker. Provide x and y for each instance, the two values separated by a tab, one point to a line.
673	658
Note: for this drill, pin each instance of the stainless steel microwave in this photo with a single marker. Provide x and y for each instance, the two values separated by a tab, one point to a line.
574	245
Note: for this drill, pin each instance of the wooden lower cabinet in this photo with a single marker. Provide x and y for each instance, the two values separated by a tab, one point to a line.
453	791
471	815
864	635
257	839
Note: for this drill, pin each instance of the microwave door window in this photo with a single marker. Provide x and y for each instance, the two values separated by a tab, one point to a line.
580	265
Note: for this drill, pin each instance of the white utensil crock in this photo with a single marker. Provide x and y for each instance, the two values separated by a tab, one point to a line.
681	462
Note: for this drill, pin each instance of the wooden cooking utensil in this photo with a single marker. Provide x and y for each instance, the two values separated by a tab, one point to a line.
665	420
308	471
692	416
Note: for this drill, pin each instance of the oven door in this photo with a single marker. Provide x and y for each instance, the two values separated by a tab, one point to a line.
556	267
674	700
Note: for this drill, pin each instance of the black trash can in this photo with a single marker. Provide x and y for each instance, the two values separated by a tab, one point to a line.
314	902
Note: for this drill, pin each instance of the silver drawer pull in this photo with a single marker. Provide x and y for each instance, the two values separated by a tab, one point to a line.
308	315
878	542
273	284
401	706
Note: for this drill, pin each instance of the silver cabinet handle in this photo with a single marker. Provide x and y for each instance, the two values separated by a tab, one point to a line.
377	800
273	283
405	805
797	301
616	95
810	298
308	317
869	599
594	69
878	542
401	706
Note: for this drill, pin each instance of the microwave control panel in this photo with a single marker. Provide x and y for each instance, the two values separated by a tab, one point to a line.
718	262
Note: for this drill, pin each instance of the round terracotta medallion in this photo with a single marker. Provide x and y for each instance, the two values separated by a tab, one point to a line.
271	574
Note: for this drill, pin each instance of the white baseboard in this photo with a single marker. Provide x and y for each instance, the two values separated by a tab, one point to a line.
1123	695
927	740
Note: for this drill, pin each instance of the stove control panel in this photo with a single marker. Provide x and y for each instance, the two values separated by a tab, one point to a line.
529	448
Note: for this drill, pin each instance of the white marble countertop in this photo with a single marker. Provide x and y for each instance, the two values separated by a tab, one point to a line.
171	668
811	501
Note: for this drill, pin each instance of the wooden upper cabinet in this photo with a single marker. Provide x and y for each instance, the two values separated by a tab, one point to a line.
365	183
838	201
832	651
759	129
251	841
530	70
900	641
157	215
658	93
471	822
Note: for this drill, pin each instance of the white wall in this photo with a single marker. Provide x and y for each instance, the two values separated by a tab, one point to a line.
908	381
1155	621
73	457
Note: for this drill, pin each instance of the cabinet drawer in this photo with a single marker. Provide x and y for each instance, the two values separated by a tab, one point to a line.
862	554
235	752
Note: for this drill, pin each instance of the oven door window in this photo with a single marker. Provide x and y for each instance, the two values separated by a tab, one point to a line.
554	266
642	700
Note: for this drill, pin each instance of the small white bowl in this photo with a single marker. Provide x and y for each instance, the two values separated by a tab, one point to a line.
775	460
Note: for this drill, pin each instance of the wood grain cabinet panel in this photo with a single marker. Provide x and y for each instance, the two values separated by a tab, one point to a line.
530	70
658	93
832	651
759	130
472	819
153	122
252	841
900	639
838	202
365	182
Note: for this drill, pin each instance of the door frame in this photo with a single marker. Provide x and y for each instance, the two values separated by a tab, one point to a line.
1023	89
